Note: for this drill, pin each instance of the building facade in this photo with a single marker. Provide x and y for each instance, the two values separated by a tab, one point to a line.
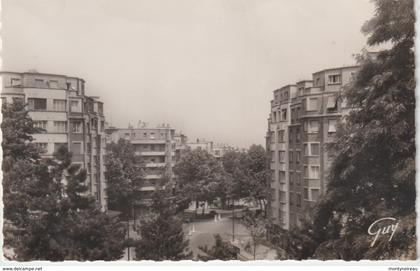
156	147
214	148
59	105
303	120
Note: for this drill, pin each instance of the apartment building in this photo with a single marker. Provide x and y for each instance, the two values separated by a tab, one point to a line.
214	148
201	144
302	122
59	105
156	146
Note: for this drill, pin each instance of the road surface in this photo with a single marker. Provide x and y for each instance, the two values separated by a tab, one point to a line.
206	229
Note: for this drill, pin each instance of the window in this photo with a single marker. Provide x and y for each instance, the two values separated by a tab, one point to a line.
53	84
282	196
306	171
43	147
291	197
298	200
57	146
314	149
284	114
305	193
298	178
312	104
18	100
76	148
290	157
59	105
313	126
37	104
297	113
293	114
281	136
331	103
39	83
281	156
273	194
334	79
314	194
60	126
332	127
291	178
305	149
282	176
75	106
100	108
314	172
297	157
15	82
77	127
311	149
42	124
103	127
281	216
273	156
291	136
298	135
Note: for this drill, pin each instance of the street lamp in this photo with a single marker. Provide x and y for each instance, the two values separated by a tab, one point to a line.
233	221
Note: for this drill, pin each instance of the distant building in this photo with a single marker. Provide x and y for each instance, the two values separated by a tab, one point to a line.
302	121
219	149
201	144
180	145
214	148
59	105
156	146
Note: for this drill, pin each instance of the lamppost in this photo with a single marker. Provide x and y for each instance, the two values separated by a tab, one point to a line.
128	237
233	221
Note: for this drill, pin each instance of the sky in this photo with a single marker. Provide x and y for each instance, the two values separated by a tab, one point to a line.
206	67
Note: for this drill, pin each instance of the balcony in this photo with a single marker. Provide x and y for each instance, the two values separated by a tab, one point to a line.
147	188
147	141
152	176
152	153
152	165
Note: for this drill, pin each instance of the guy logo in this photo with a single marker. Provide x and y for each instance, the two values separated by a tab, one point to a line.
385	229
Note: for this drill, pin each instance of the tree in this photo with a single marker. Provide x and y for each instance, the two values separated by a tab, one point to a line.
246	174
257	166
373	173
162	236
237	182
256	224
63	223
20	157
200	176
123	172
221	250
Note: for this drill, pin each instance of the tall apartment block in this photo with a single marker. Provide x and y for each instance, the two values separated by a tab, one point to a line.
59	105
302	122
156	146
